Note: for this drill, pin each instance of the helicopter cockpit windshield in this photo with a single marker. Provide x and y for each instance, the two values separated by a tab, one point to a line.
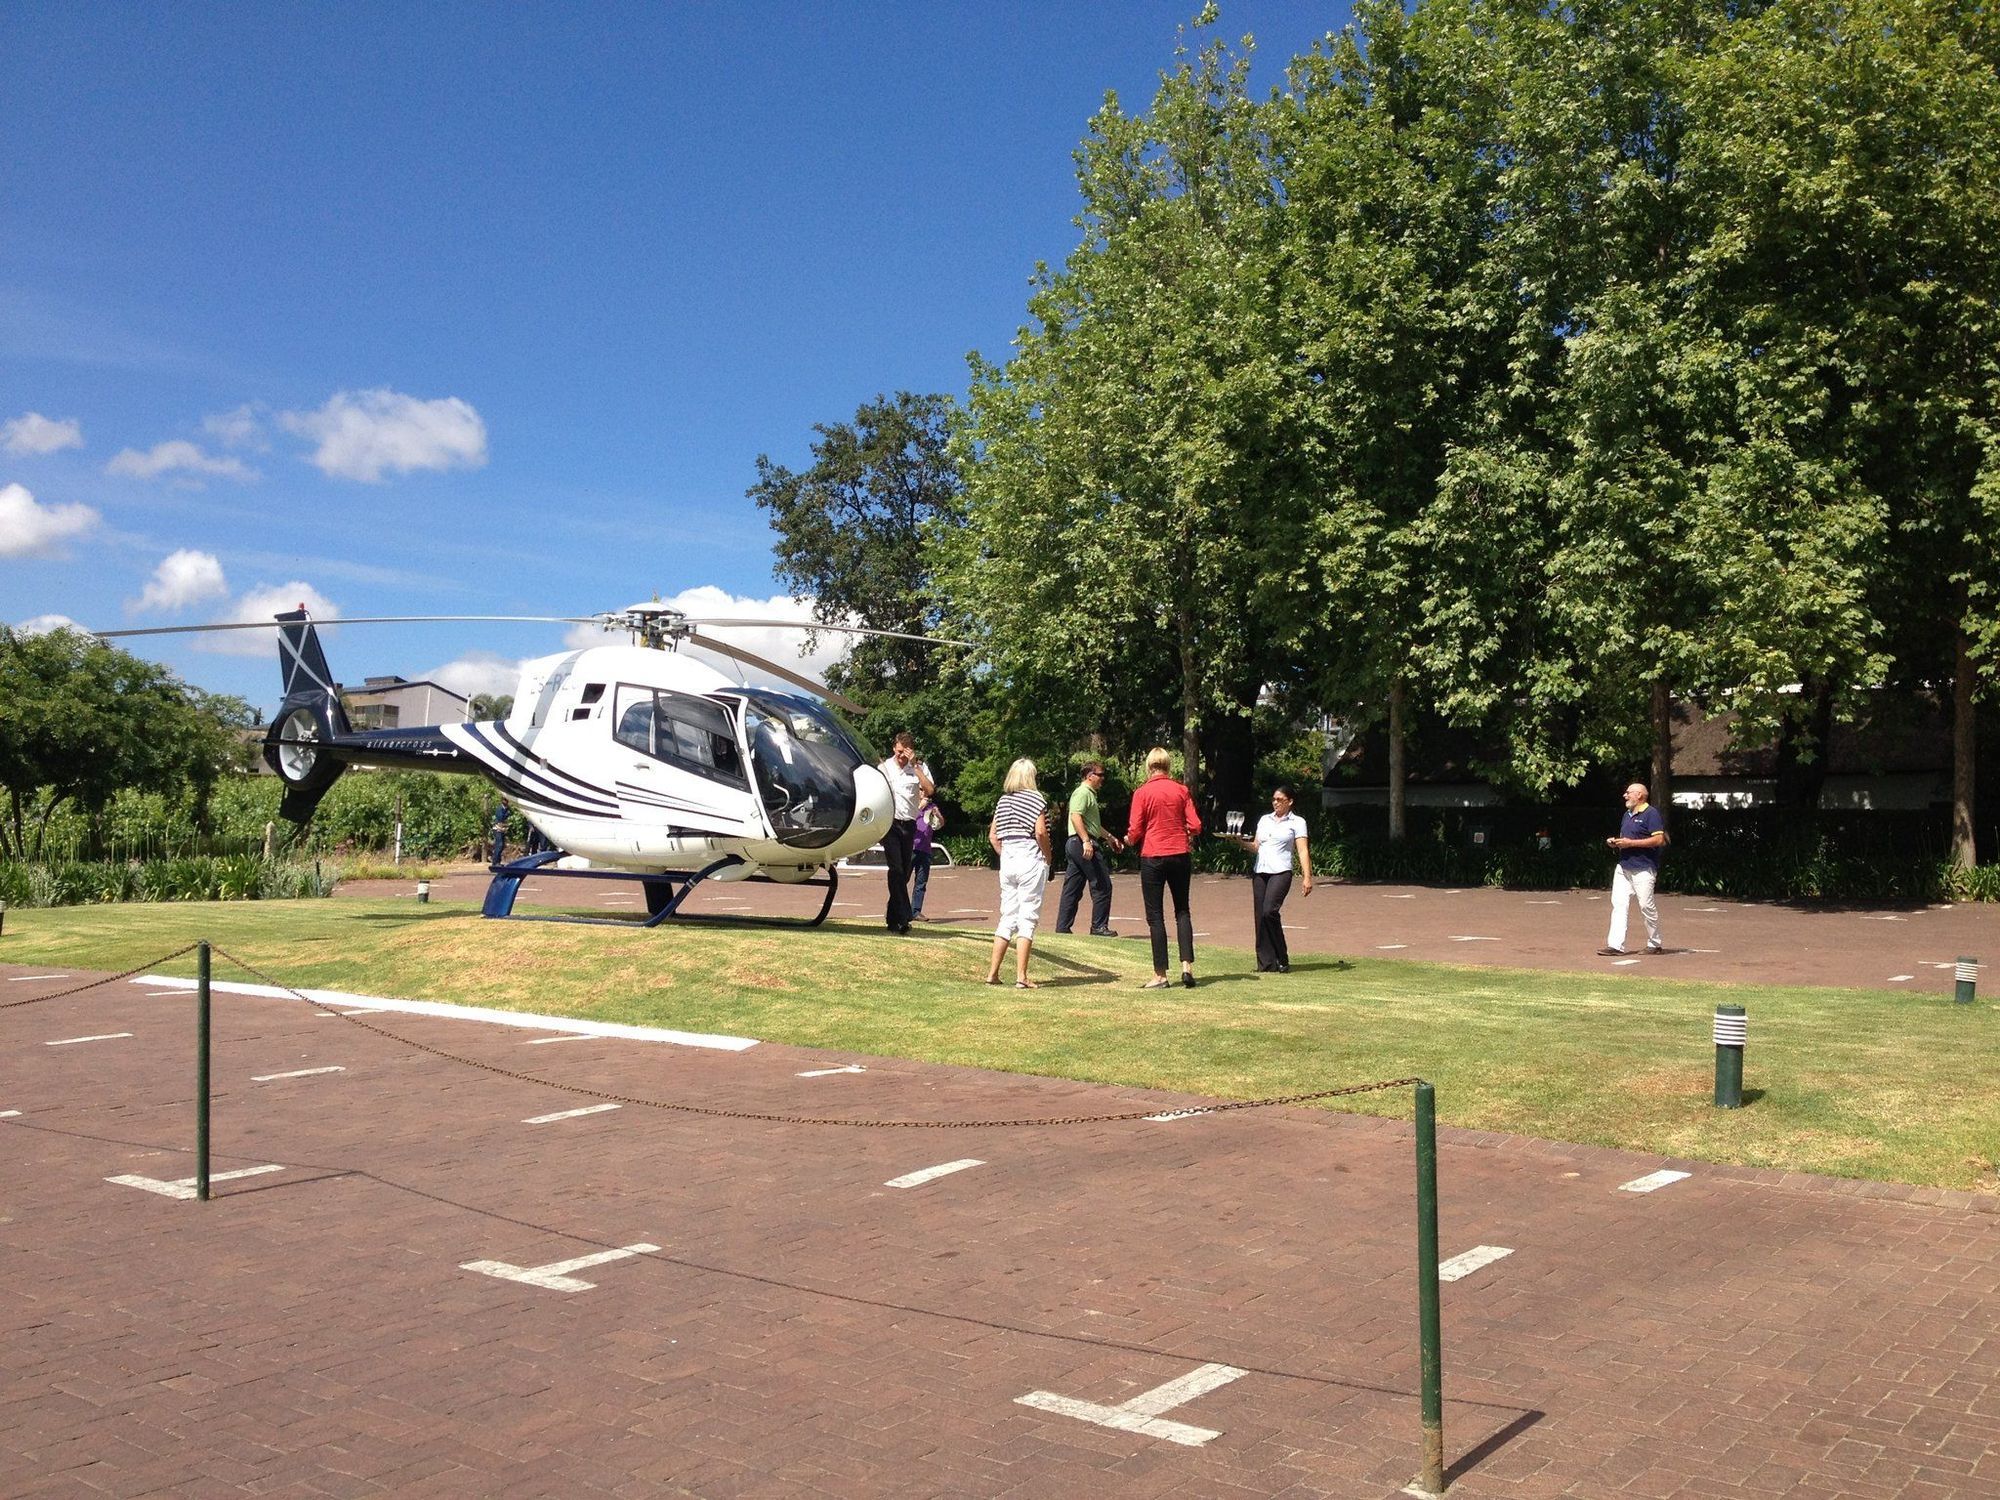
804	764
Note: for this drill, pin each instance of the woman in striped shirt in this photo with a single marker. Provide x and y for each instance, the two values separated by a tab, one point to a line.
1020	836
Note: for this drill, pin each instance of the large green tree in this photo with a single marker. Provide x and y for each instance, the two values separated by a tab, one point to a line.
1132	495
1850	162
84	720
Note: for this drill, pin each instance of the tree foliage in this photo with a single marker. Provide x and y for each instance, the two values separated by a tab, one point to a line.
84	720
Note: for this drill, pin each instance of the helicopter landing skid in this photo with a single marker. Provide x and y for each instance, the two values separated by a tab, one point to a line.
665	893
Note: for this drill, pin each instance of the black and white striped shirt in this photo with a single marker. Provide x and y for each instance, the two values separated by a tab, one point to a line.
1014	816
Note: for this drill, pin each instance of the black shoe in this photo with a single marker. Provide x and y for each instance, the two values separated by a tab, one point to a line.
1064	931
1187	979
1103	932
1284	968
1656	948
1610	952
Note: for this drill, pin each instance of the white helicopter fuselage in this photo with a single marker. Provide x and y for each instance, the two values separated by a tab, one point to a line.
643	759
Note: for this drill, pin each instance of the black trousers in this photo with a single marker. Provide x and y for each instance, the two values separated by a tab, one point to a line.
1156	877
1269	892
1094	870
897	850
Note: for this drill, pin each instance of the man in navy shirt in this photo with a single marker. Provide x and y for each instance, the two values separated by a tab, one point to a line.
1640	839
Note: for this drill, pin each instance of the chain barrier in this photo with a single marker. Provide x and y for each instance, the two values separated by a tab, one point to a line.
96	983
709	1111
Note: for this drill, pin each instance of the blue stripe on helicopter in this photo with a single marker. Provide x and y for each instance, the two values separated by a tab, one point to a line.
523	755
497	756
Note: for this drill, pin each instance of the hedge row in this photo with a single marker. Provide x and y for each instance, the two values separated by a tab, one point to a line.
193	878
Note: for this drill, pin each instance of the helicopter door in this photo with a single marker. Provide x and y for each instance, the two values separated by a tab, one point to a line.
685	764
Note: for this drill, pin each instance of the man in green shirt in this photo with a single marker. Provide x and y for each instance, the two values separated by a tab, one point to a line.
1085	850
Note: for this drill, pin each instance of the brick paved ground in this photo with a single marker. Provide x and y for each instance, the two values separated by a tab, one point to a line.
1910	946
806	1330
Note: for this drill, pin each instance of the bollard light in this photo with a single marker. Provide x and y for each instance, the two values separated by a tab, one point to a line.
423	892
1732	1029
1968	980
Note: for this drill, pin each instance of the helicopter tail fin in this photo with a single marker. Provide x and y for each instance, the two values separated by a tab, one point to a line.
300	659
300	743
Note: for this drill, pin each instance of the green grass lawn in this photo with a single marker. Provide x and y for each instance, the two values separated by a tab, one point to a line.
1857	1083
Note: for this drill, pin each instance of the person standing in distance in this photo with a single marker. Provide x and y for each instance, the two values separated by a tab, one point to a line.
1640	838
1281	833
1084	853
909	784
1163	820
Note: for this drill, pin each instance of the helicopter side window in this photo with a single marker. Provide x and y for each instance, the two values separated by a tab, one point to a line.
688	733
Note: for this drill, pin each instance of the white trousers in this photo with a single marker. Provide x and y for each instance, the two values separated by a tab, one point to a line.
1627	885
1024	876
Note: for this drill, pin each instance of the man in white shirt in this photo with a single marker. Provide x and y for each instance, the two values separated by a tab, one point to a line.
909	784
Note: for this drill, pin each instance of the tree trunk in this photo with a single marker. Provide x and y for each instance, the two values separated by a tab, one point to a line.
1964	743
1230	743
1803	741
1398	768
1190	704
1662	789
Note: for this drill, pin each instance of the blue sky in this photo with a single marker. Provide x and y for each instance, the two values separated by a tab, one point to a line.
490	309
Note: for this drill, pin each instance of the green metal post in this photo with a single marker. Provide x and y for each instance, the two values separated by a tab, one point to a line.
1731	1033
1431	1337
201	1074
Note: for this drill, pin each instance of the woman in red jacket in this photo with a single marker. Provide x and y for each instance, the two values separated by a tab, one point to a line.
1163	820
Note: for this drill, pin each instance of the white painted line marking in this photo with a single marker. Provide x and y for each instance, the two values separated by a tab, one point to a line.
1623	963
1180	1114
931	1174
1407	896
1653	1181
1456	938
9	1114
157	994
1463	1265
1545	903
1900	978
492	1017
1704	908
365	1010
185	1187
1387	947
829	1072
555	1276
29	978
299	1073
70	1041
1142	1413
543	1041
568	1114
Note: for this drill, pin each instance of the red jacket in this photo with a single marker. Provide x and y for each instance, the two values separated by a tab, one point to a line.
1163	819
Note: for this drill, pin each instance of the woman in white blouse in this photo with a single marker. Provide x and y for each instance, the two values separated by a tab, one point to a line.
1020	836
1280	834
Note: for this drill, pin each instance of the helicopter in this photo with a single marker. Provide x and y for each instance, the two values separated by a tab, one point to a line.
632	761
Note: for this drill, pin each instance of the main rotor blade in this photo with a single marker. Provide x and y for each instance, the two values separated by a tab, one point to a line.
106	635
797	679
894	635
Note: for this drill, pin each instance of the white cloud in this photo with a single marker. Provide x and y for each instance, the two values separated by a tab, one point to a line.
176	457
43	624
783	645
183	578
263	604
31	529
34	433
241	428
366	434
477	672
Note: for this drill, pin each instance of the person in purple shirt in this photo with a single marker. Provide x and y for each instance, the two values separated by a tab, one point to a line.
1641	837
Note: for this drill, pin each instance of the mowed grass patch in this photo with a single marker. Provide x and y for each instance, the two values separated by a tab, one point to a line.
1893	1087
